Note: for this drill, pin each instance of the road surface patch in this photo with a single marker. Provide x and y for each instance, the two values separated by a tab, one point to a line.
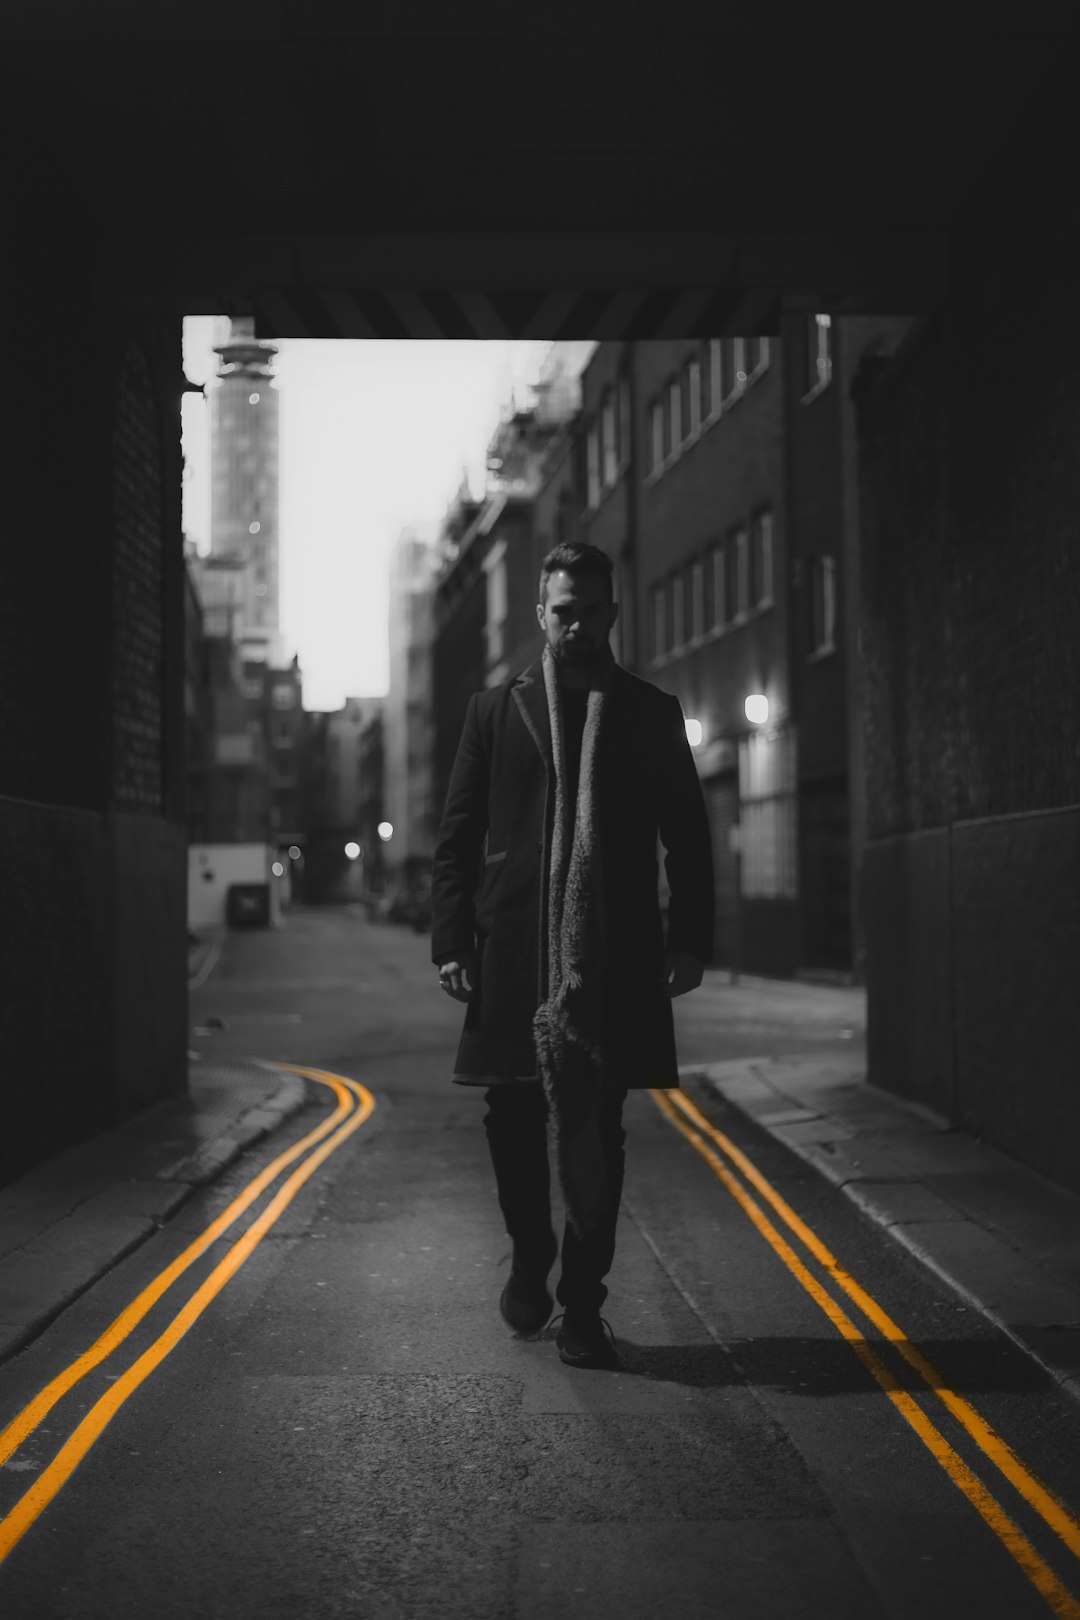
706	1139
355	1105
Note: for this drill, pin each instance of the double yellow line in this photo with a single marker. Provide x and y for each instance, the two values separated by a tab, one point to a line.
706	1139
354	1105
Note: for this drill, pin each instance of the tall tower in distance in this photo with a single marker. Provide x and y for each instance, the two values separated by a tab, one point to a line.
244	499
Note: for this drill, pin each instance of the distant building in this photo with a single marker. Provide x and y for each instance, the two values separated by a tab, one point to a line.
244	457
409	730
719	477
333	796
485	625
248	786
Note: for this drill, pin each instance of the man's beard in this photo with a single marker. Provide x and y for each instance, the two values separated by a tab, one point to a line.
582	654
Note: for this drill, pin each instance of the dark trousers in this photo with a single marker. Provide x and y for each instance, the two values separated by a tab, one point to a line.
516	1125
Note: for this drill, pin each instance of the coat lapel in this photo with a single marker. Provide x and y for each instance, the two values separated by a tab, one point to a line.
530	695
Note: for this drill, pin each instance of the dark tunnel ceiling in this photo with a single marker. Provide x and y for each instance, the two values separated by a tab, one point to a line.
209	120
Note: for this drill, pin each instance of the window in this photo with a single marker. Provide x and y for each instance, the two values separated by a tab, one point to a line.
656	436
733	366
283	737
282	696
767	815
592	465
497	603
705	382
678	613
761	560
716	374
659	621
609	444
253	687
738	575
686	401
674	411
694	411
757	356
823	606
818	354
625	424
697	601
716	596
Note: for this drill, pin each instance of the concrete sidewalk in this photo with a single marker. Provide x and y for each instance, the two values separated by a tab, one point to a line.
70	1220
1005	1238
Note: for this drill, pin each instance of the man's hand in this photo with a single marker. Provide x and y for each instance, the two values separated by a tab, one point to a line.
458	979
682	972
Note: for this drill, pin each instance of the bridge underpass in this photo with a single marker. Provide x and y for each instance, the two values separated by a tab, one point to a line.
590	173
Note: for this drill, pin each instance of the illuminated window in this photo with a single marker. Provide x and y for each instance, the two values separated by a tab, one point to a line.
767	815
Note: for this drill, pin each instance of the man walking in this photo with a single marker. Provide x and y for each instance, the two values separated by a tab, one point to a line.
547	924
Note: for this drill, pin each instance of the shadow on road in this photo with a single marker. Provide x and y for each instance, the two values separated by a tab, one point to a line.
818	1367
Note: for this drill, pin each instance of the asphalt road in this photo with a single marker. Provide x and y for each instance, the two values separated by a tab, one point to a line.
348	1430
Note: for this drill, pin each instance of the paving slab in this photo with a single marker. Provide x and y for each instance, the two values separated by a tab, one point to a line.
70	1220
1003	1237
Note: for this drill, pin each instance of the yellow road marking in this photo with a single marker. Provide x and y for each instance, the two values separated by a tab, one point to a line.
22	1426
1060	1600
35	1500
1035	1493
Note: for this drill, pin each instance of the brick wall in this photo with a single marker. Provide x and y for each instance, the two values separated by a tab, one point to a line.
971	600
92	928
970	485
137	676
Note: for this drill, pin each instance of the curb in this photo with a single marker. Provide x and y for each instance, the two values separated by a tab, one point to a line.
939	1235
207	1163
75	1252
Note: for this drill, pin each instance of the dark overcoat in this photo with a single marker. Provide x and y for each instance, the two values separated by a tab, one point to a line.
491	860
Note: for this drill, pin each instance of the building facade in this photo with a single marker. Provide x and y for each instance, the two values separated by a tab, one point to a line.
408	742
721	478
244	456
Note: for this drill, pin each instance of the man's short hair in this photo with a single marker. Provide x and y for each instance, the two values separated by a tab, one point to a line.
580	562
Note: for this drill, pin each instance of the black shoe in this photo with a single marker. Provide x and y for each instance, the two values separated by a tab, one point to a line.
525	1305
586	1340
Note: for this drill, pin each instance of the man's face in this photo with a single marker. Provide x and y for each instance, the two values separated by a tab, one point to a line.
576	616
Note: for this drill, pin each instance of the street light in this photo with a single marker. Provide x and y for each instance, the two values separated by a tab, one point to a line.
294	852
352	850
385	831
694	732
757	708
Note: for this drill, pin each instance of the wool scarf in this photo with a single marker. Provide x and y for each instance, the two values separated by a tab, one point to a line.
567	1024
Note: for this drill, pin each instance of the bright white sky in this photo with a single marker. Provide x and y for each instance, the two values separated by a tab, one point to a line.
374	439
